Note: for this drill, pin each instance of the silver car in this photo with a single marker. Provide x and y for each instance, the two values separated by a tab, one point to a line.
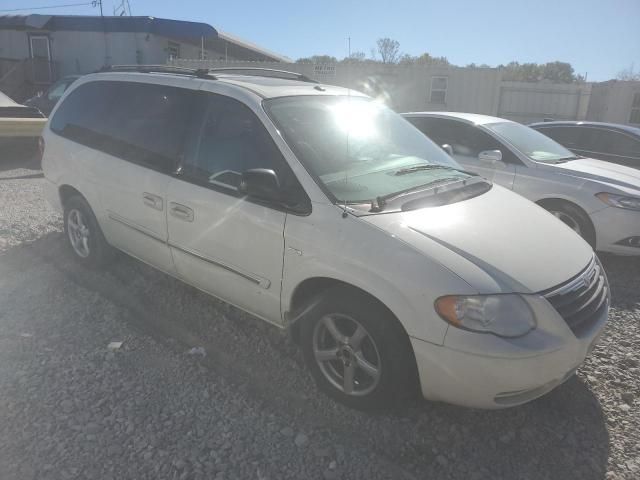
599	200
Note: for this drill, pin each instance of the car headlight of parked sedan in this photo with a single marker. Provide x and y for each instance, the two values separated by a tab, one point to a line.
502	315
620	201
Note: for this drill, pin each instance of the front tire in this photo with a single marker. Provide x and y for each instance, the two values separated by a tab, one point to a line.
357	352
575	219
83	234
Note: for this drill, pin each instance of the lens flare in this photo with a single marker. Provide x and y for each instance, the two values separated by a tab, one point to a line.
357	119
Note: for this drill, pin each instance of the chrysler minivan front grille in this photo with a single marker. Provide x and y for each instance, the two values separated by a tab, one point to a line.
581	300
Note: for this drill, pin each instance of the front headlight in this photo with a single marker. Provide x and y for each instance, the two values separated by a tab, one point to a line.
502	315
620	201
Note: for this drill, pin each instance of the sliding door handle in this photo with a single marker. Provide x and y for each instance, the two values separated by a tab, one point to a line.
151	200
181	211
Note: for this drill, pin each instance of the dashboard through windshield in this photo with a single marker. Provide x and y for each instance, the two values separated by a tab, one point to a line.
357	148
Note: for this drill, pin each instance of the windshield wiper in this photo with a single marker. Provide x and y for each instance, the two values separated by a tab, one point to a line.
418	168
379	203
566	159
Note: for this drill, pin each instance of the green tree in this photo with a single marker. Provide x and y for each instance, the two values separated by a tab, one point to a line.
424	59
558	72
317	59
356	57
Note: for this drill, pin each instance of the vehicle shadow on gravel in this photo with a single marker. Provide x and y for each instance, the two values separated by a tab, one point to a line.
560	436
20	157
624	278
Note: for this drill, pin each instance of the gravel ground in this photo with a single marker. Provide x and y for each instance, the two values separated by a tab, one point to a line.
72	408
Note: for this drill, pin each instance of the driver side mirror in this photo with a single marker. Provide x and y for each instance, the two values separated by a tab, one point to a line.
490	156
261	183
448	148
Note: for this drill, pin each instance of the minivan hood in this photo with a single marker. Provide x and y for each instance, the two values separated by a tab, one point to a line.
611	174
519	245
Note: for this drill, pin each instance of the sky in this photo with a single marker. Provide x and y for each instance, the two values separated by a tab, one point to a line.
598	37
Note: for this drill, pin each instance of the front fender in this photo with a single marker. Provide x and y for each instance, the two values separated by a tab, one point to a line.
326	245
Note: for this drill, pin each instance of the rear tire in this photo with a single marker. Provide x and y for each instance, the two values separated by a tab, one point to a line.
83	234
357	352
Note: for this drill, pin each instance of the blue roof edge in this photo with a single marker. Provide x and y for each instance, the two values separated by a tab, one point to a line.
79	23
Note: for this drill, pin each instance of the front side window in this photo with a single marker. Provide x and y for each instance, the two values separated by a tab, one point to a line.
466	141
138	122
358	149
567	136
438	90
231	140
533	144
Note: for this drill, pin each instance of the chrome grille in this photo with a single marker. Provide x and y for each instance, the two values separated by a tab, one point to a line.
583	299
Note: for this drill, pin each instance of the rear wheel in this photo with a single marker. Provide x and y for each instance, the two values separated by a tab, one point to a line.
356	351
84	235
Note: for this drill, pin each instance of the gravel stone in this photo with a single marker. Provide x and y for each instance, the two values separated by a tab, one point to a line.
70	410
627	397
301	440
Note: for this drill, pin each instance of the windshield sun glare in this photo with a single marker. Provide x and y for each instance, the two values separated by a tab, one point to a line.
356	148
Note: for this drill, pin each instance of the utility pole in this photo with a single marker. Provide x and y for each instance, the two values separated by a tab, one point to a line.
104	32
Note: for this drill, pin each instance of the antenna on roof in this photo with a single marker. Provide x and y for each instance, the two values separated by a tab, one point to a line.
346	174
121	9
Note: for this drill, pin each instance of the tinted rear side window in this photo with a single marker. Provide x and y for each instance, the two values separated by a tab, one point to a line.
139	122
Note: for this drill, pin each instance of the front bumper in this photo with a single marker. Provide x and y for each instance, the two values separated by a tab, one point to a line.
613	225
485	371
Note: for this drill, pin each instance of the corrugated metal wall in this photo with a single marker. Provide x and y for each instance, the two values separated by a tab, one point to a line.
533	102
475	90
404	88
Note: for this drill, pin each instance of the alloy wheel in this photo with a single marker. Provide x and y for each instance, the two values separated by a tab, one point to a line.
78	232
568	220
346	354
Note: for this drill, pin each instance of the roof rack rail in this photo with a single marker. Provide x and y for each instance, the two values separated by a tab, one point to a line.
197	72
258	72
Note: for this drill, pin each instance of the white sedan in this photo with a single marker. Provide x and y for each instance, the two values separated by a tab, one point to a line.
599	200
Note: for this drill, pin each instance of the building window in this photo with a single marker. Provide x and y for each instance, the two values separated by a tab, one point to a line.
173	50
634	116
438	90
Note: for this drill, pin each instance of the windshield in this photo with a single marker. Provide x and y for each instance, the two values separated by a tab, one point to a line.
358	148
535	145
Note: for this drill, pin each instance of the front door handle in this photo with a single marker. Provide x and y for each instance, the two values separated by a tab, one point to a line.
151	200
181	211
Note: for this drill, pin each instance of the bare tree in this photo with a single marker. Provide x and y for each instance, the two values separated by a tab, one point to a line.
388	49
628	74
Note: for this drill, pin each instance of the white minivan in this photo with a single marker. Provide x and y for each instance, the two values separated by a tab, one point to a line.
321	211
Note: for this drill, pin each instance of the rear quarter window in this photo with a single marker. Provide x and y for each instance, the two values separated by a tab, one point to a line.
139	122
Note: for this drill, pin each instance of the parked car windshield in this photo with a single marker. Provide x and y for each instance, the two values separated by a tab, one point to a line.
535	145
358	148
